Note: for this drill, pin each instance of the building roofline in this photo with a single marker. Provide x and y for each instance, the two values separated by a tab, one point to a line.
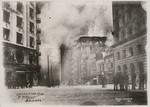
93	37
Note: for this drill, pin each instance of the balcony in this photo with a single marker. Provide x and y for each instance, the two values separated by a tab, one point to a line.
38	42
39	53
38	20
38	31
38	10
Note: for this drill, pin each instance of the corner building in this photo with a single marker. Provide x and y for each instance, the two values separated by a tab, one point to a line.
80	62
130	34
21	43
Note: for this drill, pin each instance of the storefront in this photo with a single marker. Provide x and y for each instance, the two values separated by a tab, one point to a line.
21	67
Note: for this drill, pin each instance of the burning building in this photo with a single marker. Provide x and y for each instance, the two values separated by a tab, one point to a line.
79	63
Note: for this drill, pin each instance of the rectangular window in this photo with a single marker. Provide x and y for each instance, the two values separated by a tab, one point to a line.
144	20
111	65
135	27
84	40
139	48
116	13
135	12
130	31
19	7
31	13
126	17
124	53
120	21
123	34
6	34
19	38
129	15
120	36
38	10
19	22
31	27
6	16
118	55
131	51
126	33
116	25
31	42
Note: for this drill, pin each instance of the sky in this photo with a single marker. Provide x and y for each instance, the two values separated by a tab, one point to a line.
62	22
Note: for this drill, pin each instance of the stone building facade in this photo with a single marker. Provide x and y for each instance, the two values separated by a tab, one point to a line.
129	23
109	65
20	43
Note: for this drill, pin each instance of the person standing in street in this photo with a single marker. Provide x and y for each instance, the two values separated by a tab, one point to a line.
141	84
133	81
126	80
145	80
103	81
122	80
115	80
119	80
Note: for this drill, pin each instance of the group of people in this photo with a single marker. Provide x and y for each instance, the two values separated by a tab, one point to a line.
14	83
121	81
53	83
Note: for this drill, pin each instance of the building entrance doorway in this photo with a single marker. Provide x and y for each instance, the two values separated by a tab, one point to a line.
8	79
21	80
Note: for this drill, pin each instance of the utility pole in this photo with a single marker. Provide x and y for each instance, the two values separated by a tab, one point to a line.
52	77
48	79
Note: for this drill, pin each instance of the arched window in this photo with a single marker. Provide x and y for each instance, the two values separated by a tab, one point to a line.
141	67
118	55
118	69
19	56
7	54
123	34
129	30
139	48
132	68
124	68
32	58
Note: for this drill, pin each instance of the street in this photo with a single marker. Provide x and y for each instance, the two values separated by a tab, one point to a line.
91	52
78	95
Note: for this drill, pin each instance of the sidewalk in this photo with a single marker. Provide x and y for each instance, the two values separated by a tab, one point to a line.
109	87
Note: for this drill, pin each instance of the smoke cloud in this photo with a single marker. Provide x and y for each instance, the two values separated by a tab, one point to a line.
62	22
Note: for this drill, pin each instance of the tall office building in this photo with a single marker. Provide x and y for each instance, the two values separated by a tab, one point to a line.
79	61
129	22
20	43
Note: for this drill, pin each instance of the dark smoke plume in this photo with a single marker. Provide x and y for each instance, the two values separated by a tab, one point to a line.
63	22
